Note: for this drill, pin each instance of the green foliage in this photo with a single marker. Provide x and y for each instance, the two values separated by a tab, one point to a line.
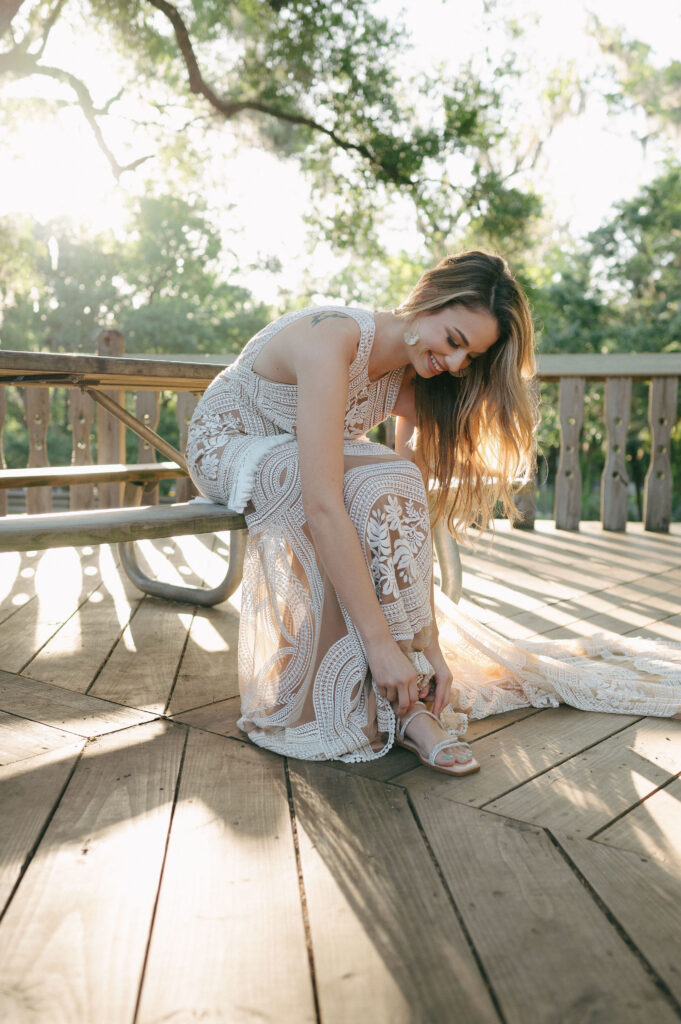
162	286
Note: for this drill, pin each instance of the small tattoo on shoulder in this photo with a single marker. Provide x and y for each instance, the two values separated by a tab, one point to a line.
318	317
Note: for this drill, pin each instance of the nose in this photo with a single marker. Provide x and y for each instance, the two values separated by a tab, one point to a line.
457	361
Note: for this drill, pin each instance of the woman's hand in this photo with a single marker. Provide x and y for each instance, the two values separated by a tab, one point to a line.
443	676
394	675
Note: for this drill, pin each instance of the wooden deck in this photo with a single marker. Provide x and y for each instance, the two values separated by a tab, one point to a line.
156	867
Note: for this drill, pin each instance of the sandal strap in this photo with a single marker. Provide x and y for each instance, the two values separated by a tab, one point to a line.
443	744
418	709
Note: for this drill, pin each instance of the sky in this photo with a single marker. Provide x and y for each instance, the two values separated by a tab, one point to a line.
55	169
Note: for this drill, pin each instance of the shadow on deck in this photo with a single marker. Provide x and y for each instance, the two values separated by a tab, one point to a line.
156	867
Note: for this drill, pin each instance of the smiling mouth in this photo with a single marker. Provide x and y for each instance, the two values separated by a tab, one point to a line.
434	365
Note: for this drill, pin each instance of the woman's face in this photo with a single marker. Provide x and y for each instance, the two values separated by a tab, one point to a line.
450	338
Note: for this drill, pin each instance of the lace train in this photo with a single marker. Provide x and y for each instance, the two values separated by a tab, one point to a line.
605	672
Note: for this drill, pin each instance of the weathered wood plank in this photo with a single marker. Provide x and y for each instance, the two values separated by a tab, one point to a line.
512	756
386	941
75	652
110	431
147	411
67	369
228	940
549	952
596	786
194	374
142	666
657	494
29	790
21	738
220	717
3	464
640	365
615	480
63	709
82	418
62	476
64	529
37	412
652	829
73	940
643	896
61	580
208	671
186	403
568	493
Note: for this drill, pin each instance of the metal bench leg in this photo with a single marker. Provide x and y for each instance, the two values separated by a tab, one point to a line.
449	560
191	595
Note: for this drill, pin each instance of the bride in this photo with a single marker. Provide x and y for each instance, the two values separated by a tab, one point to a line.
339	642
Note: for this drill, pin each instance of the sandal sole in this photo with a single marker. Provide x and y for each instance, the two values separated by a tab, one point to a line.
462	770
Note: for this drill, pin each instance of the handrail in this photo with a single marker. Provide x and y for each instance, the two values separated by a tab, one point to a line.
189	375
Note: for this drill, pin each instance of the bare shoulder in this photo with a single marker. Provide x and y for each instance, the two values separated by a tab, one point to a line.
325	338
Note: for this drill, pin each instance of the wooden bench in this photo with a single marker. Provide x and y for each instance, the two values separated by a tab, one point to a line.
124	526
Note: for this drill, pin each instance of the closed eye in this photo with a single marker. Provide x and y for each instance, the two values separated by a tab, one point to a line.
455	344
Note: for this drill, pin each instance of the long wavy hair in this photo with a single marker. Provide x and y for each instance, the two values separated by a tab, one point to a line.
475	431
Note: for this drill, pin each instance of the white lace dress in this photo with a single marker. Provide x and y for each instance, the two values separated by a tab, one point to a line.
306	690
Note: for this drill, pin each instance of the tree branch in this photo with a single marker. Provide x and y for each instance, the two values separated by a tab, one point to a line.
19	62
49	25
8	9
229	108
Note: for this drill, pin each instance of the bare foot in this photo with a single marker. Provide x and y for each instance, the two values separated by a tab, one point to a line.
425	732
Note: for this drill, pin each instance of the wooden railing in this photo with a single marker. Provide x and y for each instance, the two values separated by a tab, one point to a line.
147	378
618	371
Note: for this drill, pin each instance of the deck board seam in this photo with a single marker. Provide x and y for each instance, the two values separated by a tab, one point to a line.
41	834
457	913
152	919
17	608
60	626
558	764
659	982
133	612
623	814
302	893
179	664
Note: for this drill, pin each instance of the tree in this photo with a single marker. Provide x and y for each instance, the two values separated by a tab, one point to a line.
316	79
162	286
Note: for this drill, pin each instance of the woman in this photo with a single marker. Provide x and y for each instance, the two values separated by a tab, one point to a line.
338	634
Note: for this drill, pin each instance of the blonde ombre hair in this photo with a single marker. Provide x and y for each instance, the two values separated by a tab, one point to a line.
475	432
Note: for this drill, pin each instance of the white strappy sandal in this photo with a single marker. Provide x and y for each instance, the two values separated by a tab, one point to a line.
465	767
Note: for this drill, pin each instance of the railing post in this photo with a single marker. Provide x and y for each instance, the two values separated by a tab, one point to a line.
186	403
3	464
614	479
82	416
37	409
568	498
110	431
657	495
526	502
147	409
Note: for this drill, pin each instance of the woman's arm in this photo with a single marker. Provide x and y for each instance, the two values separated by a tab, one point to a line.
322	376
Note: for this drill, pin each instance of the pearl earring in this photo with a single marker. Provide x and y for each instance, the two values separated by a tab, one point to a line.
411	337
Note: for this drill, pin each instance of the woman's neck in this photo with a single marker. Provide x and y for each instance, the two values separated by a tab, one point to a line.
388	350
